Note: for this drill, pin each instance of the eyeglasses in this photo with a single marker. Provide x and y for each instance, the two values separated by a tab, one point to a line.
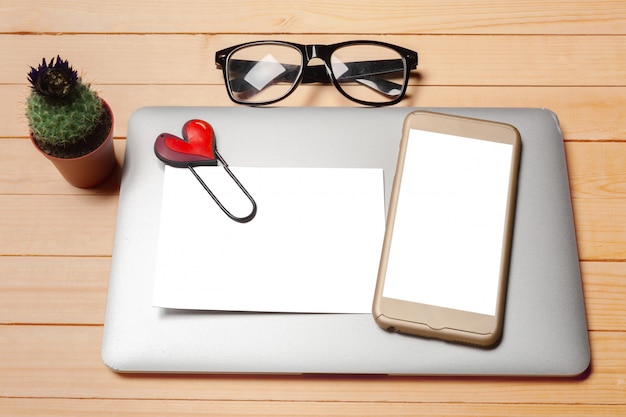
367	72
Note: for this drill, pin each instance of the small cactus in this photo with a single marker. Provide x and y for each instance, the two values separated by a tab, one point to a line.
62	111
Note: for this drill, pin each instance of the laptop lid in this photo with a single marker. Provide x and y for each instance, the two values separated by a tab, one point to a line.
545	330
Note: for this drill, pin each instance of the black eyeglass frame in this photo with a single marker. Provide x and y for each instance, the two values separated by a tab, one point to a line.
307	74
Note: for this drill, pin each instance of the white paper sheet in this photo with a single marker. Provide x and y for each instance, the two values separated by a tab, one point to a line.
313	247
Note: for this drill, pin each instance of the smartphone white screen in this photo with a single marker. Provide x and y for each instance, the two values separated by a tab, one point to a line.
446	247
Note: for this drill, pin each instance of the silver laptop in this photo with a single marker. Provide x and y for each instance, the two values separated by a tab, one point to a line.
545	329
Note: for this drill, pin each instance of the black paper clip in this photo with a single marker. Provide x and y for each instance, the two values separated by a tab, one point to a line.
198	148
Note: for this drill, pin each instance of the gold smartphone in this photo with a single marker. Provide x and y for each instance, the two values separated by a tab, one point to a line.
445	258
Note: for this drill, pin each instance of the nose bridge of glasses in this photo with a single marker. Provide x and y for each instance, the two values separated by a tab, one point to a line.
314	51
314	71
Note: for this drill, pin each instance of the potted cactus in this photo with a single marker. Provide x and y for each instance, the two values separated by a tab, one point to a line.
70	124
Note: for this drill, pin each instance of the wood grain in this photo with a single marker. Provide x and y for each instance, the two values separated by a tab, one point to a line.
597	181
65	362
319	16
580	109
50	407
604	292
53	290
29	230
486	60
57	225
596	170
73	290
56	240
26	172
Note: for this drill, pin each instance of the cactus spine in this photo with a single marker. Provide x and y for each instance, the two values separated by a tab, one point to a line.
62	111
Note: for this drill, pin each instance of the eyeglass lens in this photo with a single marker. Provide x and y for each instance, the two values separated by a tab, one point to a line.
370	73
263	73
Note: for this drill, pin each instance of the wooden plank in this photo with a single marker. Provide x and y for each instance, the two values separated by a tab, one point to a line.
284	16
62	290
585	113
78	225
597	169
604	292
47	224
600	228
563	55
64	362
25	171
53	290
489	60
52	407
598	184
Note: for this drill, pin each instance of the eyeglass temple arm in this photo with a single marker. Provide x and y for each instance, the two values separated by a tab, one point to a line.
388	88
353	70
368	78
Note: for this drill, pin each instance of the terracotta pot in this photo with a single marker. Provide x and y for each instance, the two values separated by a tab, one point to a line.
89	170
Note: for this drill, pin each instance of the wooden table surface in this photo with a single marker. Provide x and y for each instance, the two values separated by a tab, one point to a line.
56	240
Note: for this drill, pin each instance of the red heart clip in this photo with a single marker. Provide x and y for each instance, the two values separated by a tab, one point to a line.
196	148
